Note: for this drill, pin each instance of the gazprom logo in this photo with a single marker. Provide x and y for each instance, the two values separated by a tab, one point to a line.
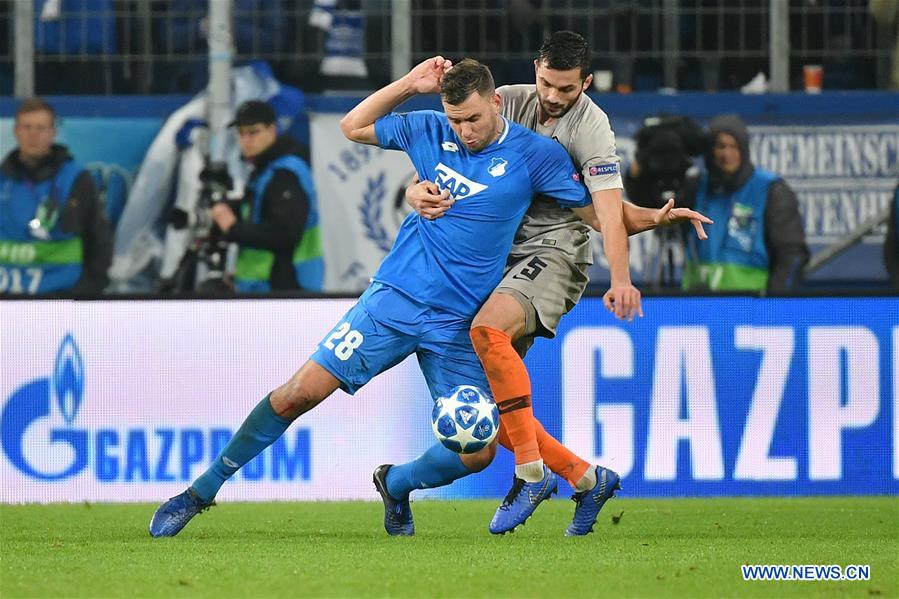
459	186
44	438
65	449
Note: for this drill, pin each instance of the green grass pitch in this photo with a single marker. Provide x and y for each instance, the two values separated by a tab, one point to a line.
641	548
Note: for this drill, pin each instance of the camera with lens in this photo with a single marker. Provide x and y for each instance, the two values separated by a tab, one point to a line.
203	267
666	146
213	252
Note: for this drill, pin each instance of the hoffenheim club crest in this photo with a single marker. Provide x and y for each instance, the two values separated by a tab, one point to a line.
498	167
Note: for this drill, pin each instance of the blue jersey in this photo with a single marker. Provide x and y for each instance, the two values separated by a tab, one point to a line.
455	262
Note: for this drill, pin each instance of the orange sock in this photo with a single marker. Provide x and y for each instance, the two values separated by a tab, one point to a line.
511	387
556	456
559	458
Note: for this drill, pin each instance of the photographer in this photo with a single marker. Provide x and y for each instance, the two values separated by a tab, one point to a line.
760	243
278	230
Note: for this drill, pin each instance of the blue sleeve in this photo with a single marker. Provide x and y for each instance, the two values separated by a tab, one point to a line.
397	131
553	174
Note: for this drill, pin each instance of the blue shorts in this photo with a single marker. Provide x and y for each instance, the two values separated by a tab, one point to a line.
384	328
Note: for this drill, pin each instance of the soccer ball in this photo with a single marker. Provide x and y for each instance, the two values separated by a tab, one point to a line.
466	420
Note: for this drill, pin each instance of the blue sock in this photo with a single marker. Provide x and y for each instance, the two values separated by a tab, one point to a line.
436	467
261	428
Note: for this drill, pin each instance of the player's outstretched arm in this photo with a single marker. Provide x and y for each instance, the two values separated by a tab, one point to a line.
359	124
638	219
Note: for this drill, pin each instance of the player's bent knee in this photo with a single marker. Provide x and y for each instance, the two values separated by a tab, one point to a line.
480	340
307	388
479	460
502	312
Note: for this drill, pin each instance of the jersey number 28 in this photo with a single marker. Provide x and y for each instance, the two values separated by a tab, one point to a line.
351	340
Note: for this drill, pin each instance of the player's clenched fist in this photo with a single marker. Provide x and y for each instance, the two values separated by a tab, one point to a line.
428	200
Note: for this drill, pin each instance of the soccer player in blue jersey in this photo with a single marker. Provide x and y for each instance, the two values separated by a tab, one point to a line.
432	282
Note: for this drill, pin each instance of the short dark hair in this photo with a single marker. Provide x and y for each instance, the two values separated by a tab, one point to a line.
566	50
465	78
35	104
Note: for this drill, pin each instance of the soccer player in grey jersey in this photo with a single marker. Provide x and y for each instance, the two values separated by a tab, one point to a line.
547	274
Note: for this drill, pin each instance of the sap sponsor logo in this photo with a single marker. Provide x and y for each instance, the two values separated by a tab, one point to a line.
459	186
41	437
690	403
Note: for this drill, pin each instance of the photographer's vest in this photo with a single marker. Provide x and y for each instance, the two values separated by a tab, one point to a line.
734	257
36	256
254	266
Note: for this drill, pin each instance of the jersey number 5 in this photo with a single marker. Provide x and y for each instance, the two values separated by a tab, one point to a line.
530	272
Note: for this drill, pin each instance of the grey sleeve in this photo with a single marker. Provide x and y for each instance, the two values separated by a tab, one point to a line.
593	149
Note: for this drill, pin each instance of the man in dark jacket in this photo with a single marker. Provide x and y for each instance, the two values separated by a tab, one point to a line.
891	244
277	232
759	242
54	234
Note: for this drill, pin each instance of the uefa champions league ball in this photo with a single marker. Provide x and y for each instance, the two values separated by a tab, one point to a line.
466	420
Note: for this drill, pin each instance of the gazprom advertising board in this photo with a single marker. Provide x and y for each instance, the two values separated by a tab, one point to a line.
130	400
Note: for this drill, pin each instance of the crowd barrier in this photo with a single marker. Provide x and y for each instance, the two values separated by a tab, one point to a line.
129	400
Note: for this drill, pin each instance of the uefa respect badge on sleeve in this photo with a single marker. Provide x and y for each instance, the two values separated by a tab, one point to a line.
611	168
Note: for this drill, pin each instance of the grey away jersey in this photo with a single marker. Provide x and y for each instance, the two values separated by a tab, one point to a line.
587	136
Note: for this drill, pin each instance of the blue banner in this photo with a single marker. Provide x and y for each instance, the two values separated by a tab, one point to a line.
701	397
724	396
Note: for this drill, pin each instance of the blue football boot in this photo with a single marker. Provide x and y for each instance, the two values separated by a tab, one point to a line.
397	514
589	502
522	500
174	514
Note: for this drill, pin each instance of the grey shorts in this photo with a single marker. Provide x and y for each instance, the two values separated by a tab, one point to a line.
548	284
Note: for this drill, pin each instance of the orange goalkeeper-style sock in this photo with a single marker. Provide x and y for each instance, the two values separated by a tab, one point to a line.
511	387
556	456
